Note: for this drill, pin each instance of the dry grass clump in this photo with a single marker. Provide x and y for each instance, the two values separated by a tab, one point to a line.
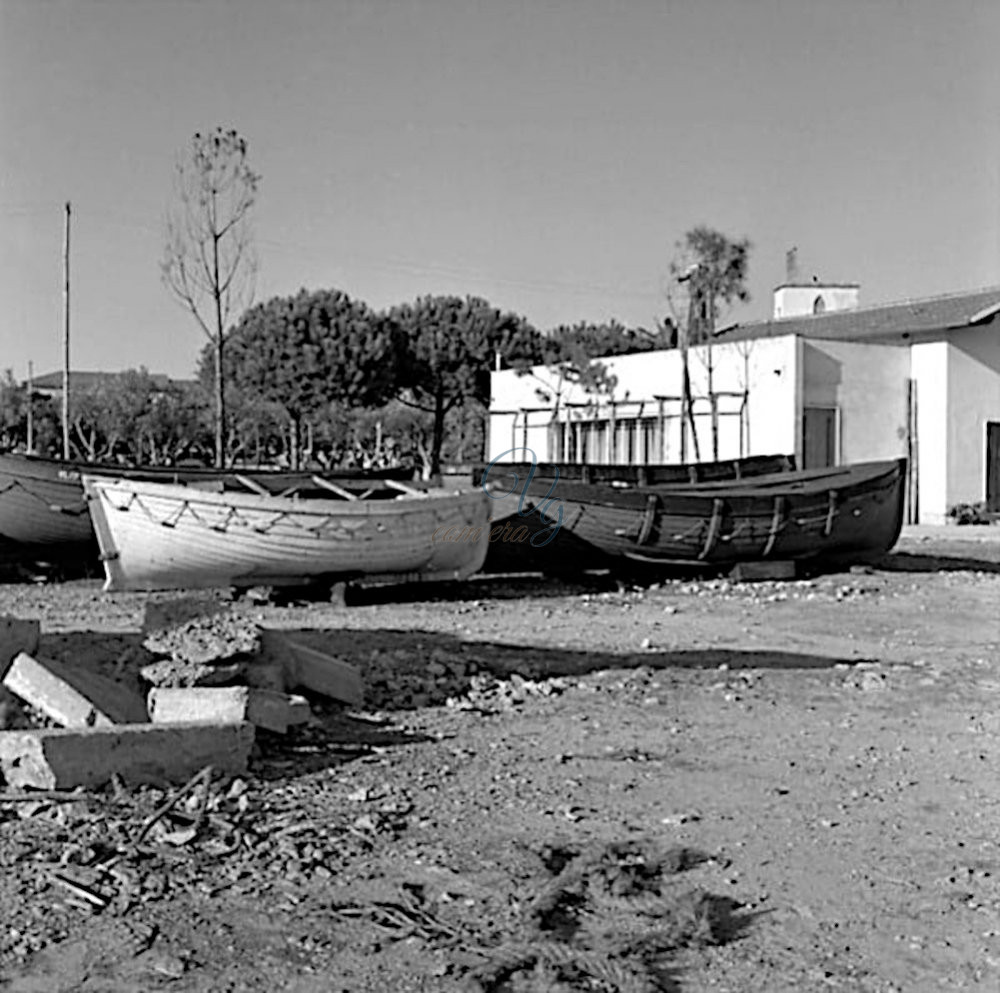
606	922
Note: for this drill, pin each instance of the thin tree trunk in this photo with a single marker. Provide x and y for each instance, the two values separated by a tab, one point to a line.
438	439
220	386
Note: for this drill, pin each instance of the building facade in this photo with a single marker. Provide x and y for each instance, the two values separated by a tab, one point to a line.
832	384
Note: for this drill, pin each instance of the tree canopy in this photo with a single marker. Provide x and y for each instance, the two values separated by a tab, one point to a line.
451	345
305	352
708	274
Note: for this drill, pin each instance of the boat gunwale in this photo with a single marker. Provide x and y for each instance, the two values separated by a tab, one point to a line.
306	506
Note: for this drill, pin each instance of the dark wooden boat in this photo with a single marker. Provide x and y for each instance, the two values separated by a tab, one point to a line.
642	475
847	513
517	529
44	514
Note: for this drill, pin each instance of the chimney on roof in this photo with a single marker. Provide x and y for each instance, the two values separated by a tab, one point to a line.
792	265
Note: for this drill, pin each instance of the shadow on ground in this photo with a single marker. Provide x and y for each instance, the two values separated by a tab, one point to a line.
948	561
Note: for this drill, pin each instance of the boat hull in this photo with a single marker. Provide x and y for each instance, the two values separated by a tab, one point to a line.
43	512
852	512
158	536
527	542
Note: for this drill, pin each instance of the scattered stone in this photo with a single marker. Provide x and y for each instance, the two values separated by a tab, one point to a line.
73	697
138	753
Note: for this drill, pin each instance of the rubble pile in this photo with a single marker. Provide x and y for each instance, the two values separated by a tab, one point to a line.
220	678
402	679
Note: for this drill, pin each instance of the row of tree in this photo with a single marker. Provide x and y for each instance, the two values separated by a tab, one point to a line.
308	353
319	375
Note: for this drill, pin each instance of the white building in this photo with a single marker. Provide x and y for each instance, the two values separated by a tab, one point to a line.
828	381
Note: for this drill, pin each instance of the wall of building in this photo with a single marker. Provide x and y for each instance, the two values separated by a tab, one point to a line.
973	397
766	369
868	386
929	369
799	300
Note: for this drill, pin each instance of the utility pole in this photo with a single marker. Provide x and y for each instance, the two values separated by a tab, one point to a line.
31	413
65	390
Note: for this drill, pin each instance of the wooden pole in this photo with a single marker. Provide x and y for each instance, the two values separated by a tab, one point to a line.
31	413
65	390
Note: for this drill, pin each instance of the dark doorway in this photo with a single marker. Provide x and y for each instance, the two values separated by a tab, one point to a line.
819	437
993	466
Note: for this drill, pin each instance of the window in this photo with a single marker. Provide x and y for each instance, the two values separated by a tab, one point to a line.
819	305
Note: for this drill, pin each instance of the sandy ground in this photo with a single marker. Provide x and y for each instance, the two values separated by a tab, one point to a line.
823	753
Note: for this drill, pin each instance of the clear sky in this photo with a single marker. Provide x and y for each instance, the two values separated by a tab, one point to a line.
545	154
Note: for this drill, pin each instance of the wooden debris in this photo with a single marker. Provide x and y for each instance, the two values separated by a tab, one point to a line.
73	697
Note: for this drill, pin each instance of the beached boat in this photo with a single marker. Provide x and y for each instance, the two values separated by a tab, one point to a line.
852	512
523	541
163	536
43	513
642	475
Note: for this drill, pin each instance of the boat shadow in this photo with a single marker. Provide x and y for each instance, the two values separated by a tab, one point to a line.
409	670
333	738
899	561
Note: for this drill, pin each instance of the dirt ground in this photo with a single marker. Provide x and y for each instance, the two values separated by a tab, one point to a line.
699	785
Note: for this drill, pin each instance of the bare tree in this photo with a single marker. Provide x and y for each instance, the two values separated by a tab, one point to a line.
209	262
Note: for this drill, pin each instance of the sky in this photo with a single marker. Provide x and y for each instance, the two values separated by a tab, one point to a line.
546	155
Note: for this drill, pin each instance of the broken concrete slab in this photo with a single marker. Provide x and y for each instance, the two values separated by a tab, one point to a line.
206	640
309	669
170	672
73	697
17	636
225	705
139	753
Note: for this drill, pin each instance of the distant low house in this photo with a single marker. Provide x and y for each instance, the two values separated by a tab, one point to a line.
51	384
825	379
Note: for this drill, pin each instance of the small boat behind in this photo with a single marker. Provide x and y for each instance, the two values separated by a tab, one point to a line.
156	536
43	513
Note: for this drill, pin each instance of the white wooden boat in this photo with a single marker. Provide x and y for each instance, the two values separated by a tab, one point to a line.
157	536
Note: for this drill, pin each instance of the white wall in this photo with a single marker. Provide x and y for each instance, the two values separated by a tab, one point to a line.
797	301
767	367
973	399
868	386
929	367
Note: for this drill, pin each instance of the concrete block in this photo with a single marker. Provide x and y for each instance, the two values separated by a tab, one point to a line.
748	572
73	697
224	705
17	636
308	669
139	753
